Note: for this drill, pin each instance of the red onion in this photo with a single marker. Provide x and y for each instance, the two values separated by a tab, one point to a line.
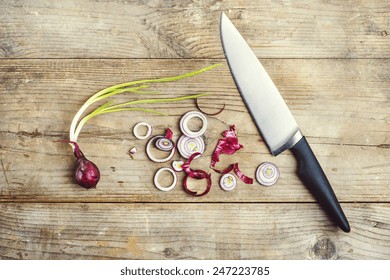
87	174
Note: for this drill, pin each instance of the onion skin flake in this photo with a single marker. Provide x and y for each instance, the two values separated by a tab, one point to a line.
208	114
224	171
228	145
242	176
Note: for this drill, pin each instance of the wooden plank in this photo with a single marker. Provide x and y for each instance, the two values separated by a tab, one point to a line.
178	29
341	105
54	55
190	231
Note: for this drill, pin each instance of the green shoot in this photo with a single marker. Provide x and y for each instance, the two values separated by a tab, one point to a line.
130	87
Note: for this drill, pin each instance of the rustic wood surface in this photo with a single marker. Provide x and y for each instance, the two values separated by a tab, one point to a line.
328	58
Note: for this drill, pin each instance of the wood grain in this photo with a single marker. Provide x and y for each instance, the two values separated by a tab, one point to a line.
190	29
189	231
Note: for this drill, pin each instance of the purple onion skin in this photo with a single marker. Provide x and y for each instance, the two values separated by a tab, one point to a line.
87	174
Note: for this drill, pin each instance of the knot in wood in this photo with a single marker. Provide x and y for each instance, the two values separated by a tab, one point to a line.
323	249
170	253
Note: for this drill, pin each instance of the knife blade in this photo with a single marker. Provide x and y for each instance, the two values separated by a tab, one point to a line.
274	120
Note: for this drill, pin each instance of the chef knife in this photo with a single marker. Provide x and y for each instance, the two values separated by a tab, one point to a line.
274	120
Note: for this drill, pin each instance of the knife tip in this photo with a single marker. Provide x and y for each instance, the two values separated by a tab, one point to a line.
223	16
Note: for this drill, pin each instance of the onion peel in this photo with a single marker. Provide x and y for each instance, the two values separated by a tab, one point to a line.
227	145
208	114
195	174
226	170
242	176
205	176
168	133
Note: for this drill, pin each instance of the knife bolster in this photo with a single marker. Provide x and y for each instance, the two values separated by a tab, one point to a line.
291	142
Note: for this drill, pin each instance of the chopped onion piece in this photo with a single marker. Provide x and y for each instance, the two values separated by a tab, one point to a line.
229	145
132	151
188	170
242	176
177	165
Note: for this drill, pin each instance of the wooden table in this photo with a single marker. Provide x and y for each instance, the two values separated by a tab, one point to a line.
330	60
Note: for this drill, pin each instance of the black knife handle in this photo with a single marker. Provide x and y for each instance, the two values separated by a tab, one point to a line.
314	178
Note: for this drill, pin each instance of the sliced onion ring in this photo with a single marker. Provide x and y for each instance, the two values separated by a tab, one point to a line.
208	114
157	184
228	182
188	146
148	132
177	165
184	124
164	144
267	174
151	157
187	169
195	174
202	174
